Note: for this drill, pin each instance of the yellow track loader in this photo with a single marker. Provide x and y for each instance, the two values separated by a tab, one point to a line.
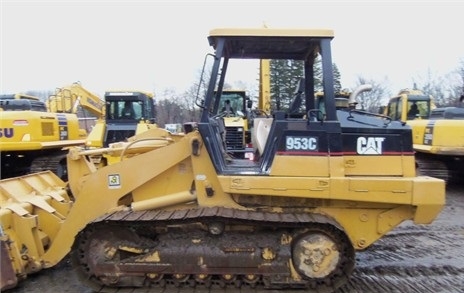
176	212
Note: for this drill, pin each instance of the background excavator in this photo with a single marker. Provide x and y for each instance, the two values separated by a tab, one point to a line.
438	133
177	213
76	99
36	134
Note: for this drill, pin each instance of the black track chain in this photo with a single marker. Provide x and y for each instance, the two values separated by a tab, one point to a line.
216	284
50	162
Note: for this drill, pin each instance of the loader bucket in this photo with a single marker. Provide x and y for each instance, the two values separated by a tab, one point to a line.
32	209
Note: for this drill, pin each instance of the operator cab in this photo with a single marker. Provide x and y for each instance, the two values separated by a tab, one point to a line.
303	144
284	134
232	103
126	109
410	105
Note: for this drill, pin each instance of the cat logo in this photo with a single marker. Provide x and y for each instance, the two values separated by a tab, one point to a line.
369	145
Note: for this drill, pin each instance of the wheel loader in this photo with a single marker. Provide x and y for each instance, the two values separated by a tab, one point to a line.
177	214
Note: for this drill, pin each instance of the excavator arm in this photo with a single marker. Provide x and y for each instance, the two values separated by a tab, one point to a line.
67	99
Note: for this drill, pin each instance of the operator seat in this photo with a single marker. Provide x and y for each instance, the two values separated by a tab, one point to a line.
262	127
413	112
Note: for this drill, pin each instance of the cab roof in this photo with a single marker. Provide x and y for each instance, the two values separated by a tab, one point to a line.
269	43
19	97
128	93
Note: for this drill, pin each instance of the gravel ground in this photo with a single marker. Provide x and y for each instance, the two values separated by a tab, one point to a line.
411	258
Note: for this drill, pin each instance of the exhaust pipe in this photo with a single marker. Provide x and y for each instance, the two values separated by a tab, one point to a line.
360	89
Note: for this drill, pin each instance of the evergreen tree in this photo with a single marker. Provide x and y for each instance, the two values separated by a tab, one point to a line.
337	79
285	76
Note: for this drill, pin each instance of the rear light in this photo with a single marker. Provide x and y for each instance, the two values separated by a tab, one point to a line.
20	123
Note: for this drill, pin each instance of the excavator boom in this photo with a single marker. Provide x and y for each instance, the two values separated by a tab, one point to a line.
69	99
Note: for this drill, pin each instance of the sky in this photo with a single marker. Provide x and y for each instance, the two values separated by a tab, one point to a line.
156	46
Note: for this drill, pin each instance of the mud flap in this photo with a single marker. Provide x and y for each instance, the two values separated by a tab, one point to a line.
8	277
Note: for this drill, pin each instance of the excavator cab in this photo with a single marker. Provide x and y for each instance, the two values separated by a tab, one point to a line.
409	105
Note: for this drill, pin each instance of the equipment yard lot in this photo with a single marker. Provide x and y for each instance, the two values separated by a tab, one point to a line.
411	258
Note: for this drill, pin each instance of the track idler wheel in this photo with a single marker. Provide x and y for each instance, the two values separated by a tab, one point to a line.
324	256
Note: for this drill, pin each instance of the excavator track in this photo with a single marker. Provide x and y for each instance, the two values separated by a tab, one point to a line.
212	250
450	168
428	166
55	162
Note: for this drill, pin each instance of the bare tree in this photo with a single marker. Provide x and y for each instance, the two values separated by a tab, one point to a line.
168	110
456	88
42	95
189	103
439	87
